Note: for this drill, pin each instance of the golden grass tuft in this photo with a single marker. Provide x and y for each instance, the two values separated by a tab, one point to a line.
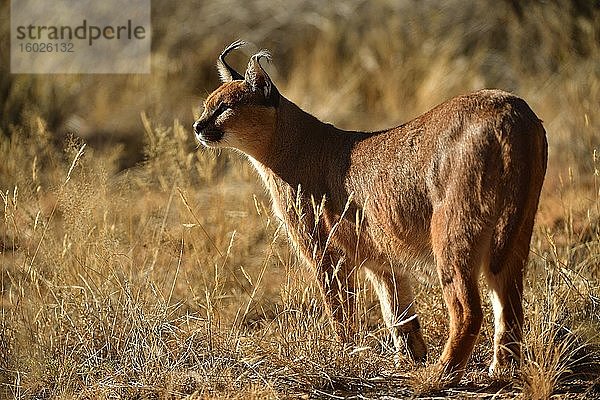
559	348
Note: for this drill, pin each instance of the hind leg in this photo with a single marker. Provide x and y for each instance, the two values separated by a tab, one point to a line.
505	281
397	308
506	294
459	246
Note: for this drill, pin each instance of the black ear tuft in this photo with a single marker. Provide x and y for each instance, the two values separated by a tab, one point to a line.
258	79
226	72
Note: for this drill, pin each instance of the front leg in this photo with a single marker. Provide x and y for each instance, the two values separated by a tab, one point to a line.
397	308
337	283
311	229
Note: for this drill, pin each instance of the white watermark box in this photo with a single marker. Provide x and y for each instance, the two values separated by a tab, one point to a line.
80	36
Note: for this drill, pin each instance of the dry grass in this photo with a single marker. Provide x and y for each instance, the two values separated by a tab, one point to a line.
170	279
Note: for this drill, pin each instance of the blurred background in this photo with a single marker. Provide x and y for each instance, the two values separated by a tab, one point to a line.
360	64
132	261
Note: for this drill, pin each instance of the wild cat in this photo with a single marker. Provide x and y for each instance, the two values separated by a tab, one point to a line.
457	188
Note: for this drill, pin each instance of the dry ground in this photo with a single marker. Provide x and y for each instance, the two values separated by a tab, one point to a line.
134	265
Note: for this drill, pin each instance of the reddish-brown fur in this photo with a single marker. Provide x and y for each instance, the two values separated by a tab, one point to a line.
457	187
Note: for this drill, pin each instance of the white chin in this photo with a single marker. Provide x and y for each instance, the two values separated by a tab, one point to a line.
210	144
203	142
